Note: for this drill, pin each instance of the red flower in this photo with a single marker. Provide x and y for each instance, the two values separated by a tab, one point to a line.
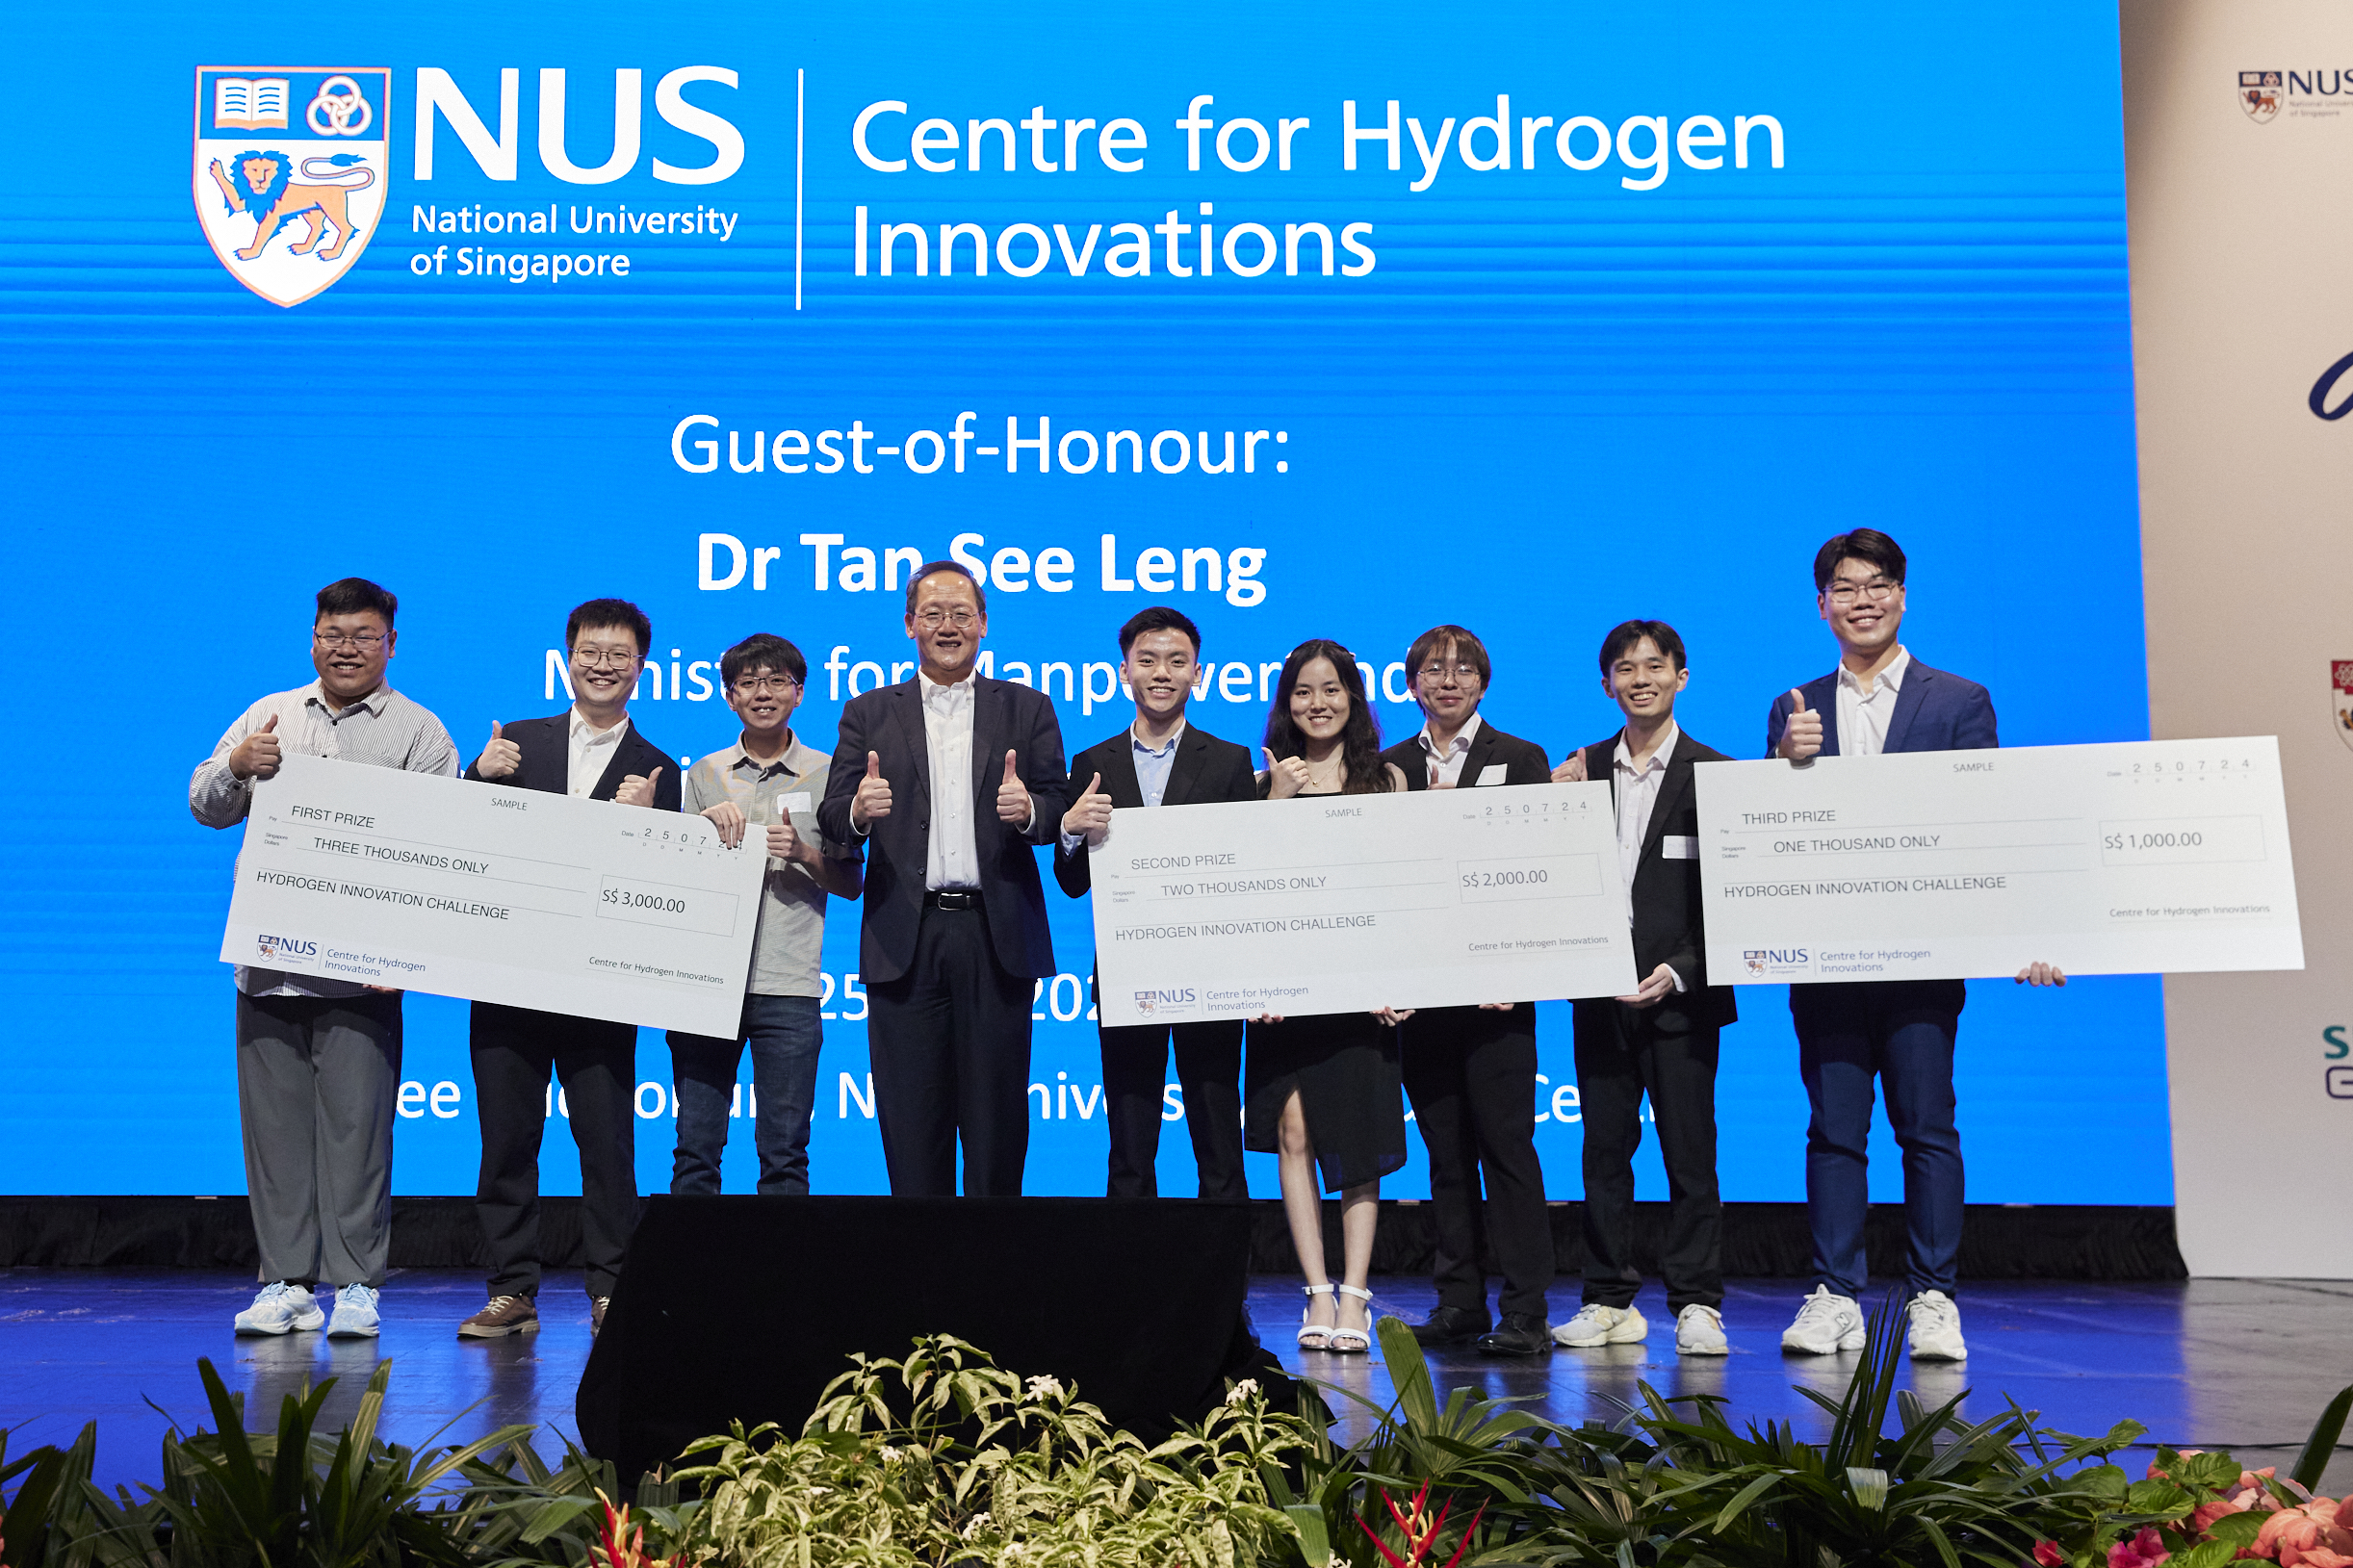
2145	1550
2047	1554
1421	1531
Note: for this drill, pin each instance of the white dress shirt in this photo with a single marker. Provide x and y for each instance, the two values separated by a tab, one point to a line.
592	754
1862	721
1447	769
1638	797
953	860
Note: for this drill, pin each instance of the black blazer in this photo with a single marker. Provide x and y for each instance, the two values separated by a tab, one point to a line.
1665	895
547	761
1523	761
1206	769
890	722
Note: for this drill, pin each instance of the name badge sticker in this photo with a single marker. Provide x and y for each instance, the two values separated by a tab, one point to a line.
1491	774
1676	846
798	801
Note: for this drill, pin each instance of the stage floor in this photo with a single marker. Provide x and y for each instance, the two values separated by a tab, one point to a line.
2238	1364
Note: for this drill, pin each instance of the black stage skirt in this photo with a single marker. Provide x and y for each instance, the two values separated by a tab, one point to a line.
1344	1066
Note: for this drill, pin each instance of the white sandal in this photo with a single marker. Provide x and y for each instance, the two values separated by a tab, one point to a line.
1362	1338
1305	1327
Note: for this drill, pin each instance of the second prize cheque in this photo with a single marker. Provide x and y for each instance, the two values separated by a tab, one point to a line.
497	894
2144	857
1348	903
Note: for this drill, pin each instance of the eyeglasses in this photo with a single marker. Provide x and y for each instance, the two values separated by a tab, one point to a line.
367	642
753	685
597	658
930	620
1877	588
1439	672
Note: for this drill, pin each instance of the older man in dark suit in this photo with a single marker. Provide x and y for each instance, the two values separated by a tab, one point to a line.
593	750
1661	1039
1900	1032
1470	1071
1161	760
956	778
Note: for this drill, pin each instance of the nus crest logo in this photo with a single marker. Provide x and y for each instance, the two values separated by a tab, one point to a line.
289	172
273	949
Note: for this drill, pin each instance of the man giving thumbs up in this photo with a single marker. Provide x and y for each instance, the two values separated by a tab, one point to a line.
954	779
592	750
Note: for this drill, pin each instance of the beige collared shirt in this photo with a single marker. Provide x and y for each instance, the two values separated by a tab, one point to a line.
787	950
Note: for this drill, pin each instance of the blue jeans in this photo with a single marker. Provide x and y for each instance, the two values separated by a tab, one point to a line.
1900	1033
784	1034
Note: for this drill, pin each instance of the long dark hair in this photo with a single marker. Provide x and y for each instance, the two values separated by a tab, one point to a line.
1362	770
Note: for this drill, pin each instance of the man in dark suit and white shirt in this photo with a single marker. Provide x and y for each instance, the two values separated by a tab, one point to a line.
1663	1038
1470	1071
591	750
956	778
1901	1032
1161	760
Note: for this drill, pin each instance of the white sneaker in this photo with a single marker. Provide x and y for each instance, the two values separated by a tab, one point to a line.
355	1315
1602	1326
278	1308
1936	1328
1699	1330
1826	1323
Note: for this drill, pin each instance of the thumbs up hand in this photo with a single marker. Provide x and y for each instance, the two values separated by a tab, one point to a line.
500	758
1572	769
256	757
1090	814
636	791
873	798
1014	807
1285	776
1802	733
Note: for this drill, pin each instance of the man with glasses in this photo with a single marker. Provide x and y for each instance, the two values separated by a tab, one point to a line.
592	751
319	1061
1900	1032
768	780
1470	1071
956	778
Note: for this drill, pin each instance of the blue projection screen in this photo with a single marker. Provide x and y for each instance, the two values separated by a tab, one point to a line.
1310	321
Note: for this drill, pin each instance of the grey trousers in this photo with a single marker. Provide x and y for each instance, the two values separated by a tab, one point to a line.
317	1080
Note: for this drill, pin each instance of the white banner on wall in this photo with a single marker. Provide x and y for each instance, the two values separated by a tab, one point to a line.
2238	132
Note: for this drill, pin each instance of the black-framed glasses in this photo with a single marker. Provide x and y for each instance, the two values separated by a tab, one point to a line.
597	658
367	642
755	685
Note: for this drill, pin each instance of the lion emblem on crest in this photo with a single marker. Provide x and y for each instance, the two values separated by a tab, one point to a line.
261	185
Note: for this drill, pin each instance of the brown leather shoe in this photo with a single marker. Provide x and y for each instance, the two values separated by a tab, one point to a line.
503	1315
596	1314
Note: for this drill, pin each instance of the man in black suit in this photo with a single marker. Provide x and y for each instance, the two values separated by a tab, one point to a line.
1470	1071
593	750
1663	1037
957	778
1161	760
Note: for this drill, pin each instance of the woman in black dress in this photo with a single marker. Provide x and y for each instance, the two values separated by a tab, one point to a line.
1322	1092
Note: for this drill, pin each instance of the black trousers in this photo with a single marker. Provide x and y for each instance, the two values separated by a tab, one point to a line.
1471	1075
515	1050
949	1042
1135	1078
1620	1054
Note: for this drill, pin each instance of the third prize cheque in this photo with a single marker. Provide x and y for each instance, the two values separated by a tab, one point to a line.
2127	858
519	896
1348	903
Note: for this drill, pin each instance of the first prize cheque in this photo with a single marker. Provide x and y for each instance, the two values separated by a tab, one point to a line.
418	882
1349	903
2131	857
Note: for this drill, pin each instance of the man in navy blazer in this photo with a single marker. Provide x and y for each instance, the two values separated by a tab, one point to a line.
594	750
1901	1032
956	778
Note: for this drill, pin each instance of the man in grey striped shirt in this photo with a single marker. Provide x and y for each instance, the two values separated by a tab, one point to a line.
319	1061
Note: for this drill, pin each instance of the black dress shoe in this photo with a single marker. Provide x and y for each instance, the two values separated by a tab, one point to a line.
1522	1333
1452	1325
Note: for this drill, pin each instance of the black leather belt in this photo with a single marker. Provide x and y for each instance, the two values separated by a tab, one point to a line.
945	899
